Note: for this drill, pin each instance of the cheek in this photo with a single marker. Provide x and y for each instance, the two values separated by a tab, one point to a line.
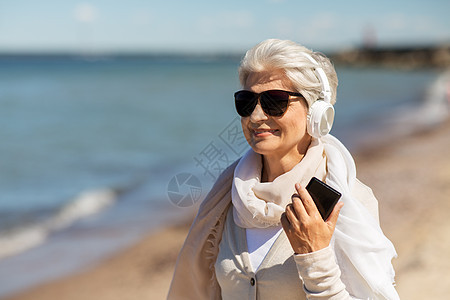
294	130
295	124
244	125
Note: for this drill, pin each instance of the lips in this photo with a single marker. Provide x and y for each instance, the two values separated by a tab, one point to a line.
264	132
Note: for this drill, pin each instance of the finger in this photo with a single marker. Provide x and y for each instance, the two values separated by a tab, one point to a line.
333	217
285	222
308	202
298	207
290	215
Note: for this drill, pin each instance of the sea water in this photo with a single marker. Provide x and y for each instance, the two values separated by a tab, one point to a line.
93	152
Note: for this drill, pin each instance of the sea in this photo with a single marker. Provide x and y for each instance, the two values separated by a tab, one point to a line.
96	152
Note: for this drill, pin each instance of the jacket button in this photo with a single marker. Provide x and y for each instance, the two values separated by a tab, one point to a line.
252	281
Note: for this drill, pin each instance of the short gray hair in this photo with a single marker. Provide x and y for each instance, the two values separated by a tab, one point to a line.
272	55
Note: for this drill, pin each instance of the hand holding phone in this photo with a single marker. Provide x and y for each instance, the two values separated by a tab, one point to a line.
324	196
305	231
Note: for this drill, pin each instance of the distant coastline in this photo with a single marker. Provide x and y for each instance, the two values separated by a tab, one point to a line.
403	57
396	57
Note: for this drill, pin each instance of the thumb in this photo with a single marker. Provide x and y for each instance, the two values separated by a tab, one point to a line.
332	219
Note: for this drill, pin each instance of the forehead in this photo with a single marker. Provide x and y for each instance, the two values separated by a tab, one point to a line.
263	81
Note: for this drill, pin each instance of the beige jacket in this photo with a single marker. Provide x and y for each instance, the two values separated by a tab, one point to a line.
194	276
281	275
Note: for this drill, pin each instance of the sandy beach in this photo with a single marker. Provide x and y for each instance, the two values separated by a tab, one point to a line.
411	179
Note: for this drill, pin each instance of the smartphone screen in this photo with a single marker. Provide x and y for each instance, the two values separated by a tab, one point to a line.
323	195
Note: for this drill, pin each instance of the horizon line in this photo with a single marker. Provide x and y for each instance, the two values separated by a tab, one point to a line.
196	53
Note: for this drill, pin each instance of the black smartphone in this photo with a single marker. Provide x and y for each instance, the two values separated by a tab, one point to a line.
323	195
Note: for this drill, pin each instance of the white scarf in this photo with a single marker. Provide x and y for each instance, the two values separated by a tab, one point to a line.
362	251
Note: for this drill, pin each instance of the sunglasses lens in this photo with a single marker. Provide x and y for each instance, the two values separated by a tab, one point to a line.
274	102
245	102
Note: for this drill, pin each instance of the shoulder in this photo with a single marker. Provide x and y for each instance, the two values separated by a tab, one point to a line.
365	195
220	189
227	175
225	179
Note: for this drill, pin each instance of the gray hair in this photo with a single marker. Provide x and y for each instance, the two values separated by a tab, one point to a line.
272	55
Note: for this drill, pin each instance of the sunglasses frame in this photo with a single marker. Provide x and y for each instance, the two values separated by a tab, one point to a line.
265	101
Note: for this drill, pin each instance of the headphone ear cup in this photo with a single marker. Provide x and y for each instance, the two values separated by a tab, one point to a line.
320	118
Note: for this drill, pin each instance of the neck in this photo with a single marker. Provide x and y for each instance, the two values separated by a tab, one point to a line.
276	165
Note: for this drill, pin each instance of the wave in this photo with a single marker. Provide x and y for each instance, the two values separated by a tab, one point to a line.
431	112
436	108
87	203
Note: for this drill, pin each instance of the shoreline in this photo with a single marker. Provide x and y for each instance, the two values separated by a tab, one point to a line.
402	175
415	218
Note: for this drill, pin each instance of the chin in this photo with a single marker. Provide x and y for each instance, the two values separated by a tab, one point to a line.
264	147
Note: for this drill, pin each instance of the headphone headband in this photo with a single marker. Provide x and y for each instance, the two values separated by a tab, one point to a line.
325	94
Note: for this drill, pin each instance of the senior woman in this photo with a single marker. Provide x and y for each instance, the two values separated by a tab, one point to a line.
258	233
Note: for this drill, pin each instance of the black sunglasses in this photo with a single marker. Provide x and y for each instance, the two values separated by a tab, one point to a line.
273	102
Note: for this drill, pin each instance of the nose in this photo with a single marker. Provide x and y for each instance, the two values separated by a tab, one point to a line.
258	114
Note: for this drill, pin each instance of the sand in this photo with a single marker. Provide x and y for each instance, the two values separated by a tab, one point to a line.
411	179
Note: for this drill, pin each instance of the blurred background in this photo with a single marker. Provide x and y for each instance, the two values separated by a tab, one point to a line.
115	117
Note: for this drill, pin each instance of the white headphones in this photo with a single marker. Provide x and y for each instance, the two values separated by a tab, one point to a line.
321	113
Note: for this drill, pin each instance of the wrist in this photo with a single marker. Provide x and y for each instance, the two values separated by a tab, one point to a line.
305	249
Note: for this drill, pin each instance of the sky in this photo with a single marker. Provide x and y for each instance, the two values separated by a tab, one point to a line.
216	26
